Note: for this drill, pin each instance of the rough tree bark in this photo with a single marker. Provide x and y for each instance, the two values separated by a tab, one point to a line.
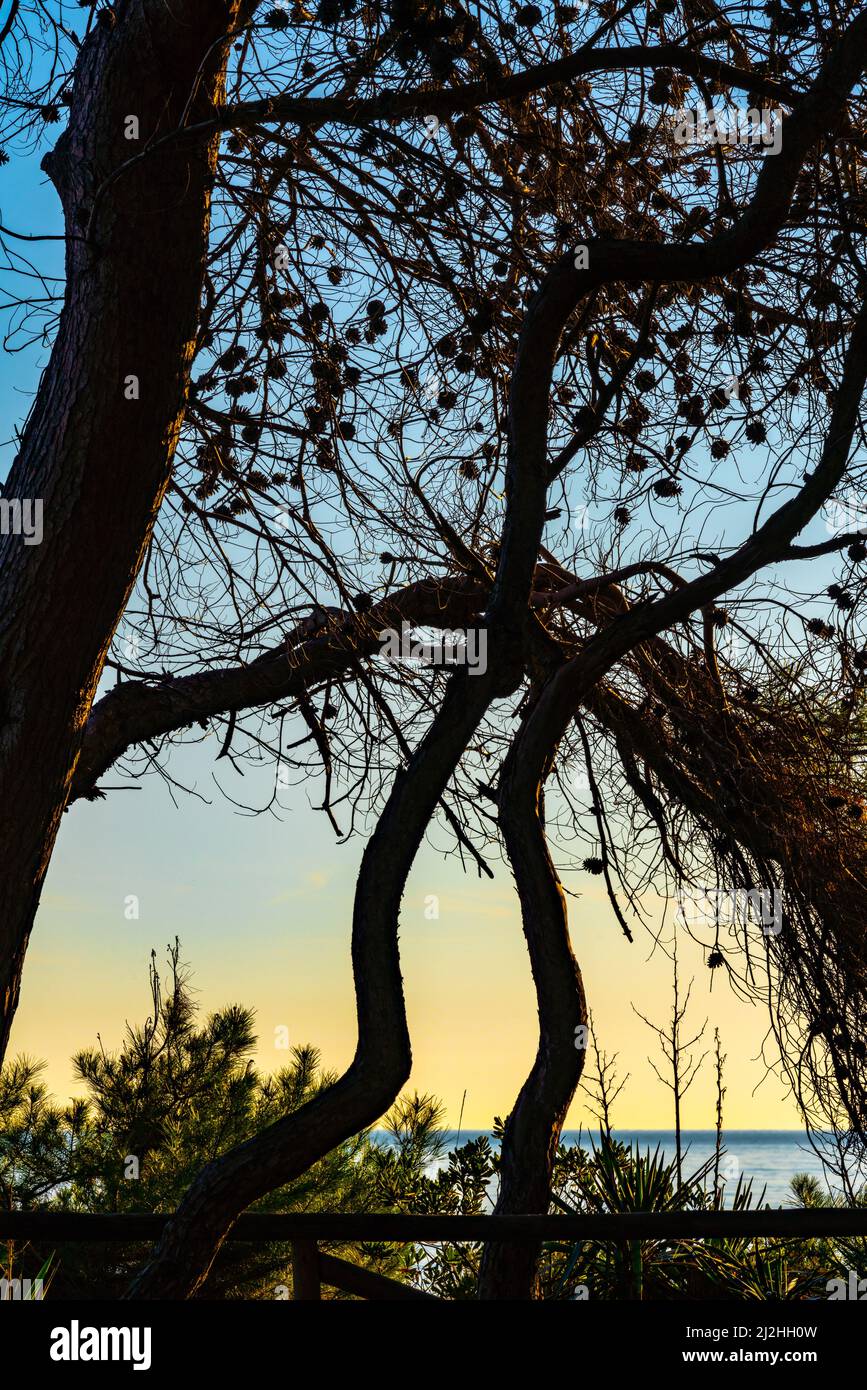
98	446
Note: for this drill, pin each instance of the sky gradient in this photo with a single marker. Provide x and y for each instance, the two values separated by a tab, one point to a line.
263	911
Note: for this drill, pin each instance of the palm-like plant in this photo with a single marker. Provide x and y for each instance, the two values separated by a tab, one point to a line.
614	1178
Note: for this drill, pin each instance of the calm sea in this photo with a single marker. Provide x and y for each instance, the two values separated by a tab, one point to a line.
771	1157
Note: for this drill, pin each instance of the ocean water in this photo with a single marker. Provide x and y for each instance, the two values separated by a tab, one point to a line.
771	1157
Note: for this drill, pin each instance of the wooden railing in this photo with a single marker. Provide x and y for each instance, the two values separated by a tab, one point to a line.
313	1267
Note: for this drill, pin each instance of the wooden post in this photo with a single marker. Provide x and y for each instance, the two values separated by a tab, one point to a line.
305	1270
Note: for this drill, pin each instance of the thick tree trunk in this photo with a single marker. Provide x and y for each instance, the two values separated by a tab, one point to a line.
533	1128
98	446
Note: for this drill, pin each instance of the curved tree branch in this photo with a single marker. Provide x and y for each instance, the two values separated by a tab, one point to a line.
533	1128
382	1060
134	711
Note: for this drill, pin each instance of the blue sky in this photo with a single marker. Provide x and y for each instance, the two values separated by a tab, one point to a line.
262	906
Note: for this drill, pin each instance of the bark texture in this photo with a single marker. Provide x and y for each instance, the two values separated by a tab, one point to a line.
97	449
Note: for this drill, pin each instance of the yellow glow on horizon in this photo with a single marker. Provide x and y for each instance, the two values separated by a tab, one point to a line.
468	986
